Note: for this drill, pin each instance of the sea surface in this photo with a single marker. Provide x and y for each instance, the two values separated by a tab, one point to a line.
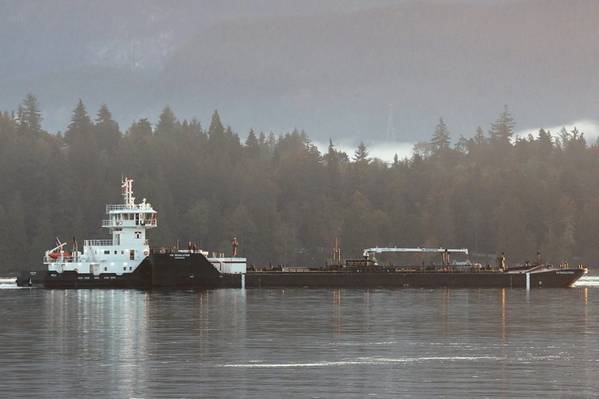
300	343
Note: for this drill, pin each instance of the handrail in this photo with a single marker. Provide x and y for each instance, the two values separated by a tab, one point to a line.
378	250
128	223
97	243
134	207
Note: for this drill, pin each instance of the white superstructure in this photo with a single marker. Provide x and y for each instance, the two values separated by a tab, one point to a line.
127	222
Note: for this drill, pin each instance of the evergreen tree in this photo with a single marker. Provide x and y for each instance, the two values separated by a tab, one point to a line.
80	125
479	137
167	123
216	127
331	148
502	129
462	144
441	138
335	158
29	115
216	131
193	129
361	154
107	130
140	129
252	145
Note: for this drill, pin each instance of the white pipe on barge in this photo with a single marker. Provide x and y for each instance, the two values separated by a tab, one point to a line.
377	250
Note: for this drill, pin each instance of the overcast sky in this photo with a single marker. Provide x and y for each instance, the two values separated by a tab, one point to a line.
349	70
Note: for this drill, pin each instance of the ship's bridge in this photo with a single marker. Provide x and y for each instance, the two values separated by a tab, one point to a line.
129	214
134	215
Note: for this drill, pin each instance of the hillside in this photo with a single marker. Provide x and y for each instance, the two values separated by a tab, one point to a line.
342	70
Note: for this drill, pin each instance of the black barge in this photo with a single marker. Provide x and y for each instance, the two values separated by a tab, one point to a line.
194	269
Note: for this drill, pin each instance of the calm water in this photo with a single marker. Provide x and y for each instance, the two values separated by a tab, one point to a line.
300	343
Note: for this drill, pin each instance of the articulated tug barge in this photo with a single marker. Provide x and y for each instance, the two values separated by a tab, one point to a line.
127	261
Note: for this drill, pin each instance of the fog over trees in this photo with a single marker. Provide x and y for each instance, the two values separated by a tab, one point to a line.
336	68
285	200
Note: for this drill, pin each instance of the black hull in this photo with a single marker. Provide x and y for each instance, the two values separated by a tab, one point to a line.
189	270
330	279
33	278
170	270
193	270
140	278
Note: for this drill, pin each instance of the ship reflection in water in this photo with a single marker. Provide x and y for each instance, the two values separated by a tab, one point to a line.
259	343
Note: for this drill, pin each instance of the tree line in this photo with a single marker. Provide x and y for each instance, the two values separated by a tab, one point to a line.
287	202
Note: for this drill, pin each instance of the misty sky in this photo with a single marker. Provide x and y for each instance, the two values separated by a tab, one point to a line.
348	70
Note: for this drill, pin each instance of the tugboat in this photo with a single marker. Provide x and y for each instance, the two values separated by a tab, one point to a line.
127	261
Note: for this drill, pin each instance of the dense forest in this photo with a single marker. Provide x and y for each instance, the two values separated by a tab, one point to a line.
287	202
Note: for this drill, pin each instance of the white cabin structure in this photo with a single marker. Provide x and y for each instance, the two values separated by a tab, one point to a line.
127	222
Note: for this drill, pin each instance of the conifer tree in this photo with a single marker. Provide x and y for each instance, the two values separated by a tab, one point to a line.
331	148
479	137
361	154
167	123
332	157
140	129
194	129
29	115
441	138
216	131
80	124
502	129
252	145
107	130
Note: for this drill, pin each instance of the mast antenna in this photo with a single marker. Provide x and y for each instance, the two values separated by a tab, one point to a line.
127	187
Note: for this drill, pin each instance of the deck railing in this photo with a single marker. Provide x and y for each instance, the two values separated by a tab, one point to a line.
133	208
97	243
128	223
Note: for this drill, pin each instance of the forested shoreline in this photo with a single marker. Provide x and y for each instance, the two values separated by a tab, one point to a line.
286	202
